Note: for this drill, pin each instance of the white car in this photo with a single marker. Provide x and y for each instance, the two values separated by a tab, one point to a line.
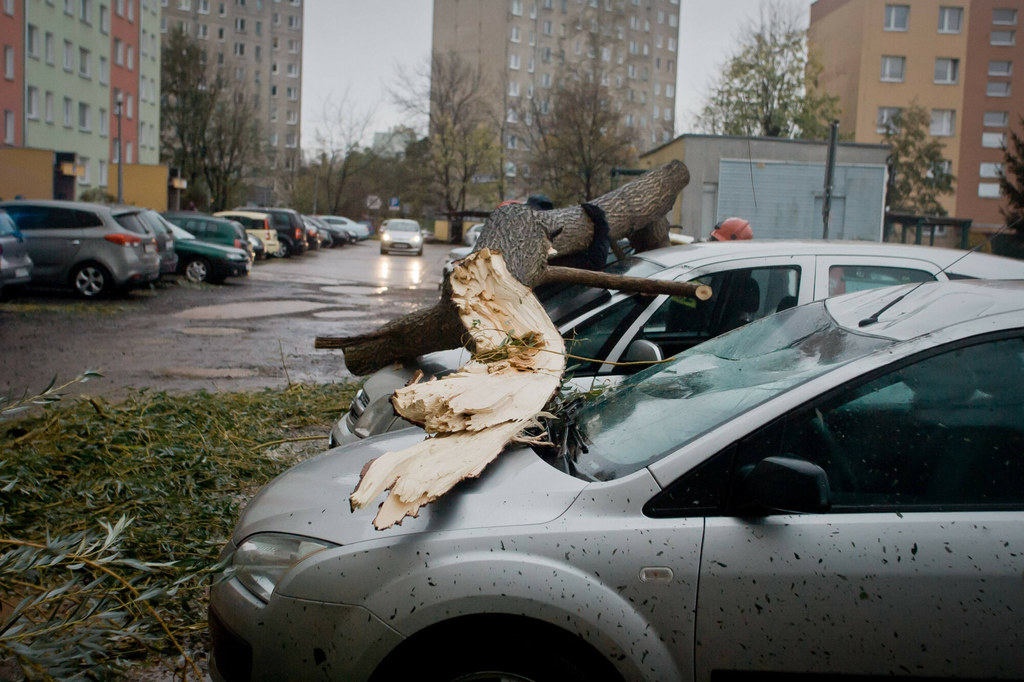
401	234
750	280
358	230
834	490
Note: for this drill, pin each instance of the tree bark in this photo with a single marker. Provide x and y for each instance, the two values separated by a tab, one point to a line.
527	239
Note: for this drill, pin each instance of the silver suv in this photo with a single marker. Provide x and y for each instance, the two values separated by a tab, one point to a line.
94	249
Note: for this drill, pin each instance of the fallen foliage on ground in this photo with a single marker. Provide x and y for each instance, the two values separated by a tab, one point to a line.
112	518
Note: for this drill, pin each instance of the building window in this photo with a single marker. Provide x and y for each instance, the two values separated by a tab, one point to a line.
293	70
32	40
48	107
8	126
1000	68
893	68
85	178
239	25
85	12
998	89
129	106
951	19
947	71
885	119
32	102
517	8
84	63
118	52
131	56
293	94
8	62
104	19
294	22
989	190
991	170
515	34
512	142
69	56
128	149
513	62
1004	38
84	117
104	123
103	174
897	17
513	89
997	119
239	49
993	140
104	70
1004	17
943	122
48	48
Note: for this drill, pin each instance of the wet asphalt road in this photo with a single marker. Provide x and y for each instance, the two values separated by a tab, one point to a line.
247	334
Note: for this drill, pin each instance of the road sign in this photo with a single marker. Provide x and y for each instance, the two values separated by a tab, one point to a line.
394	204
373	202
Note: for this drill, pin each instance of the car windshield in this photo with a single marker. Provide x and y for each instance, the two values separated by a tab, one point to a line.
708	385
403	226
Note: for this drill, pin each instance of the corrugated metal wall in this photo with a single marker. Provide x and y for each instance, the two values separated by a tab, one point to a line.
783	200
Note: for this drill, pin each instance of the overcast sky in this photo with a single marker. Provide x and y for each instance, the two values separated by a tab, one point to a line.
355	48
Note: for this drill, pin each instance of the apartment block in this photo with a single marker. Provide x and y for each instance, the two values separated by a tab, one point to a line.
522	45
256	46
962	60
68	63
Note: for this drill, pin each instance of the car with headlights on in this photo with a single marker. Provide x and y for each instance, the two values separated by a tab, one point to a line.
402	235
202	261
834	490
750	280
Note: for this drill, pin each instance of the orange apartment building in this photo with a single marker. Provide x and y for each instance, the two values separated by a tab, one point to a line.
962	60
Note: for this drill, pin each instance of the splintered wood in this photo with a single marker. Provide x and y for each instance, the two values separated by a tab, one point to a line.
470	416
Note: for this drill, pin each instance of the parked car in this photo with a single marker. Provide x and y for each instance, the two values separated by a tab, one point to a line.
257	225
93	249
313	236
750	280
833	490
202	261
400	234
291	231
359	230
336	235
210	229
164	241
471	234
15	263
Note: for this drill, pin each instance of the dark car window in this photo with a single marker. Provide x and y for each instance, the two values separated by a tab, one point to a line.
844	279
943	432
133	223
7	226
29	217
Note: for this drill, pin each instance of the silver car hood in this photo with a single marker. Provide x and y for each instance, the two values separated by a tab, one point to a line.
311	498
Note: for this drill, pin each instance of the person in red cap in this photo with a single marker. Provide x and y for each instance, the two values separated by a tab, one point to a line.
732	229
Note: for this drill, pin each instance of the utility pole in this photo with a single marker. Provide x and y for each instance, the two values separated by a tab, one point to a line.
830	172
120	145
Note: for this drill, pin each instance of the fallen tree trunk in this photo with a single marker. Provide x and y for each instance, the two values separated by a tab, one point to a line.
527	240
479	409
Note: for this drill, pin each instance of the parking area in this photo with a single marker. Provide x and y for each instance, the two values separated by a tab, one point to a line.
247	334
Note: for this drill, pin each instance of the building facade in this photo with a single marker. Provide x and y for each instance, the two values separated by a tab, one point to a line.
76	67
961	60
255	45
522	47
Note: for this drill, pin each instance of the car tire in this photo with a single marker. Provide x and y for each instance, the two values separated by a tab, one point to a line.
530	655
285	251
383	250
420	252
197	270
91	280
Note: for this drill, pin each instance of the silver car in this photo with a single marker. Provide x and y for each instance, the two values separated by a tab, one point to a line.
750	280
399	234
94	249
837	489
15	263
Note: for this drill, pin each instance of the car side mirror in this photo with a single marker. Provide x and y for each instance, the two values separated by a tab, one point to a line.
784	484
642	350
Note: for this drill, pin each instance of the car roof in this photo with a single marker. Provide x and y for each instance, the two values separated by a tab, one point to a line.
913	310
60	203
255	215
971	264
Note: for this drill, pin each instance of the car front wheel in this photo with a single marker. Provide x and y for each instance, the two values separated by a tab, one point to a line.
91	280
197	270
383	250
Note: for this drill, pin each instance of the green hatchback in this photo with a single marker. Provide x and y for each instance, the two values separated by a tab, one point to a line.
200	261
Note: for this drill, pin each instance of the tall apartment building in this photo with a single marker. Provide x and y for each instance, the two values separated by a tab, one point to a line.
521	44
70	66
962	60
256	45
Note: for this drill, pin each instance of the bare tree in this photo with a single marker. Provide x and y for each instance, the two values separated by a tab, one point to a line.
340	134
457	104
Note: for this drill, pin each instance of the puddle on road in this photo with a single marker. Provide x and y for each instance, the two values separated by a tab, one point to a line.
354	289
211	331
341	314
207	372
249	309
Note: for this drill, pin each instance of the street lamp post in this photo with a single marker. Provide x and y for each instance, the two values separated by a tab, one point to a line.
120	160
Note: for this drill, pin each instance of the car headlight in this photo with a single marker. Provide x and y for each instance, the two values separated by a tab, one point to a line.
263	559
417	239
385	237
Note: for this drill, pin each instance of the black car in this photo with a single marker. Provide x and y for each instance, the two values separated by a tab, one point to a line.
291	231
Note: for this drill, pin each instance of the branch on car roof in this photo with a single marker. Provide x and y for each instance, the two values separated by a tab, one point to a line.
528	240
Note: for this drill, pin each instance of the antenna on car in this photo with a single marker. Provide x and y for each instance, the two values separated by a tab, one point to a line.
874	318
